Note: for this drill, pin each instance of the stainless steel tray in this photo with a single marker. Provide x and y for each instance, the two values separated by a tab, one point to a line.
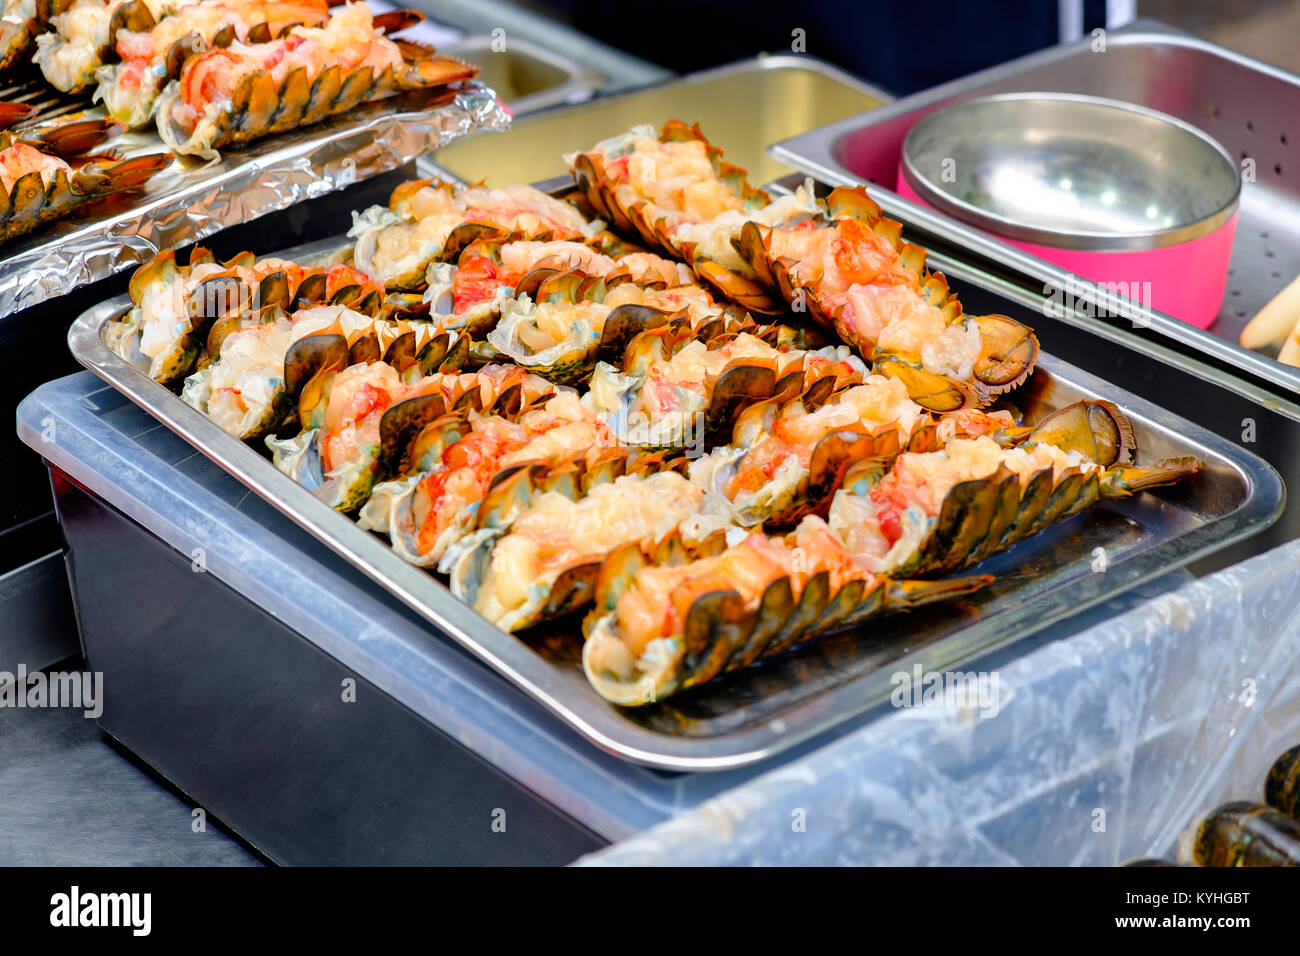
192	199
764	710
1248	106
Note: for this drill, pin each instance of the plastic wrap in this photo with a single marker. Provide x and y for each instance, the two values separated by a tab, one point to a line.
1104	747
192	199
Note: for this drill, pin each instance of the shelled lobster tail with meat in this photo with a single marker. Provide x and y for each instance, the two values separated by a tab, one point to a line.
428	221
181	313
544	562
151	53
670	617
677	194
77	37
940	511
229	96
683	385
788	454
853	272
38	185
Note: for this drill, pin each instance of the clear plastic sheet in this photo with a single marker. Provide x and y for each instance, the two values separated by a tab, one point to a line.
192	199
1106	745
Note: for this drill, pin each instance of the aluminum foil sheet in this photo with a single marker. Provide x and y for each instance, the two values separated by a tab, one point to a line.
193	199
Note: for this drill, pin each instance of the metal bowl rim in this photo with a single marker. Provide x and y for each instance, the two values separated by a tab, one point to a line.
1071	238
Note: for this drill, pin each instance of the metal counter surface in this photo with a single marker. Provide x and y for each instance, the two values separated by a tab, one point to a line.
68	798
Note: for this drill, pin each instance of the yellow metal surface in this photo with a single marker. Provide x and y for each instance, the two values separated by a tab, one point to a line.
514	74
744	111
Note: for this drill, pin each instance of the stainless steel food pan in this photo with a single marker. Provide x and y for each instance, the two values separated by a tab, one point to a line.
525	76
1249	107
766	709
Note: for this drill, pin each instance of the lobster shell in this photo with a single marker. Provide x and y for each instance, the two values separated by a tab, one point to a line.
721	631
982	516
259	107
1008	348
31	201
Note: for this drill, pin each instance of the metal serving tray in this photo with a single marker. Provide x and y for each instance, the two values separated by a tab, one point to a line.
192	199
757	713
1248	106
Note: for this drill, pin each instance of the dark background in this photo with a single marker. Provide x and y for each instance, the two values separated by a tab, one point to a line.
902	46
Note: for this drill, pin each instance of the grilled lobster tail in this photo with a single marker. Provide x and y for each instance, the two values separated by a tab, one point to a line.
38	186
223	97
670	617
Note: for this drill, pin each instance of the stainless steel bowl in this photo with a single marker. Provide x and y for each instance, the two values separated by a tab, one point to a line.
1071	171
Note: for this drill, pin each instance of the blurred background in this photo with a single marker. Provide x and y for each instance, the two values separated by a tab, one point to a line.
905	47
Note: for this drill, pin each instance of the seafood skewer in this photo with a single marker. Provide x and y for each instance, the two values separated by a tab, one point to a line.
152	53
665	621
36	185
244	91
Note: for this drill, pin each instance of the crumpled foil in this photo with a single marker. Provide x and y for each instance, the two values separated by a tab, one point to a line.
192	199
1107	746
